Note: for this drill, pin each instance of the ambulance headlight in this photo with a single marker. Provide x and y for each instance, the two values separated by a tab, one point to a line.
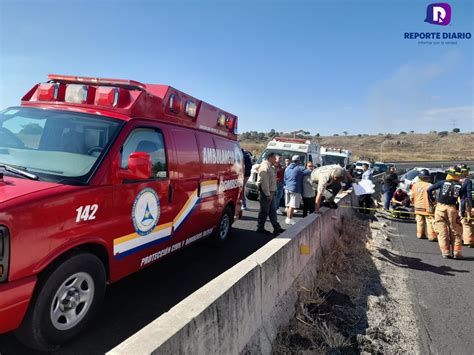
4	253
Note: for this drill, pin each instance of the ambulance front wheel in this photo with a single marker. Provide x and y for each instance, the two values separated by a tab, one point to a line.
224	226
65	300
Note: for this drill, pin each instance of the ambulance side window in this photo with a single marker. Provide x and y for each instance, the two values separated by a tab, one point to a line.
148	141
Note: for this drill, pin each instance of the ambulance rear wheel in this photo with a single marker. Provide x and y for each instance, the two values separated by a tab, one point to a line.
65	300
224	226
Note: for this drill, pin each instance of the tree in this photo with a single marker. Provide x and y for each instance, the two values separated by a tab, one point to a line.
272	133
456	130
345	133
443	133
412	132
403	132
317	135
336	135
32	128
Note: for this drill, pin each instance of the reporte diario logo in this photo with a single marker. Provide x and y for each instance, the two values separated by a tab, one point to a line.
438	14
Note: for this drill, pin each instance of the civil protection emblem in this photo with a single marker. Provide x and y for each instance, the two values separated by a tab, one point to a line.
146	211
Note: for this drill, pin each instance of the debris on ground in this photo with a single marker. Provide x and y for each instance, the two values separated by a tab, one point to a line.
357	304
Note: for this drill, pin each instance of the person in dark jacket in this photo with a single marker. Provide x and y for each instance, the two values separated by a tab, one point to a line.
447	220
465	207
247	172
280	175
390	186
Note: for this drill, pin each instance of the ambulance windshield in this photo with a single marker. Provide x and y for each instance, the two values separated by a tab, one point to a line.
55	145
333	159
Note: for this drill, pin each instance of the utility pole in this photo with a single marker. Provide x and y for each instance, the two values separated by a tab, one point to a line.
454	122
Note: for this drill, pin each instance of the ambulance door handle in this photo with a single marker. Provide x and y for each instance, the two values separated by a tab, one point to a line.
170	193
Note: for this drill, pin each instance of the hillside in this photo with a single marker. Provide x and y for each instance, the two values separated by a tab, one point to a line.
391	147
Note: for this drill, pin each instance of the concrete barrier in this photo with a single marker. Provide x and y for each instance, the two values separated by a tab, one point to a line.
242	309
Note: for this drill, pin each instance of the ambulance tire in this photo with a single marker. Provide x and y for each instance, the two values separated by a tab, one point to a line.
37	330
224	227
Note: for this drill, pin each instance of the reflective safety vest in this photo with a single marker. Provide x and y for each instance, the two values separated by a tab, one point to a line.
449	192
420	198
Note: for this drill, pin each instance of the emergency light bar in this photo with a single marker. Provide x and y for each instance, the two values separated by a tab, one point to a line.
96	81
132	99
291	140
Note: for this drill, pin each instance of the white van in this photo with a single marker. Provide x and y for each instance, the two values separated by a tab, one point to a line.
330	156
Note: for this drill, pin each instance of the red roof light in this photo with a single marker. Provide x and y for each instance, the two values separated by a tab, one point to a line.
111	96
50	92
175	103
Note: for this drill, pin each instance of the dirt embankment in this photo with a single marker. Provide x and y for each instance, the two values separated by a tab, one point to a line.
357	303
392	147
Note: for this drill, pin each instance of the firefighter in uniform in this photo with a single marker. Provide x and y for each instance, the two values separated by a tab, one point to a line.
447	221
423	207
466	206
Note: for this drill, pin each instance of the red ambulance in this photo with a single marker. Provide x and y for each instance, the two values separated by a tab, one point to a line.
98	179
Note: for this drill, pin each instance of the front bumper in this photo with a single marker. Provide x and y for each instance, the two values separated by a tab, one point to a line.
14	300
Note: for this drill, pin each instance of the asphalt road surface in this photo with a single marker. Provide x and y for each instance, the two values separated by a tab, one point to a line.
138	299
442	291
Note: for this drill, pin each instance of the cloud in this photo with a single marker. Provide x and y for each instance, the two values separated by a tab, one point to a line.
464	111
458	116
402	94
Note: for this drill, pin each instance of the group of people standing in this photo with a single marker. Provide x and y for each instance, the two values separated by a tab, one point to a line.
299	184
446	217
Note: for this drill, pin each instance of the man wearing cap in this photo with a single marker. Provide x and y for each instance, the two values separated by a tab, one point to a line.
327	182
447	221
294	174
466	207
423	208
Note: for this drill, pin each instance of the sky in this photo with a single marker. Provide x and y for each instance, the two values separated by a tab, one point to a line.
321	66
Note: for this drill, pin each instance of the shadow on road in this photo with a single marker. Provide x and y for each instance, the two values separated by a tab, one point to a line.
416	263
137	300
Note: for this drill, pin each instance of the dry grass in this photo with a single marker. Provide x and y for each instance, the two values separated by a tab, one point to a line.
396	147
325	311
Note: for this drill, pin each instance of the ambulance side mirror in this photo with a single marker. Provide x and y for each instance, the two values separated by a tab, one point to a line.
139	167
